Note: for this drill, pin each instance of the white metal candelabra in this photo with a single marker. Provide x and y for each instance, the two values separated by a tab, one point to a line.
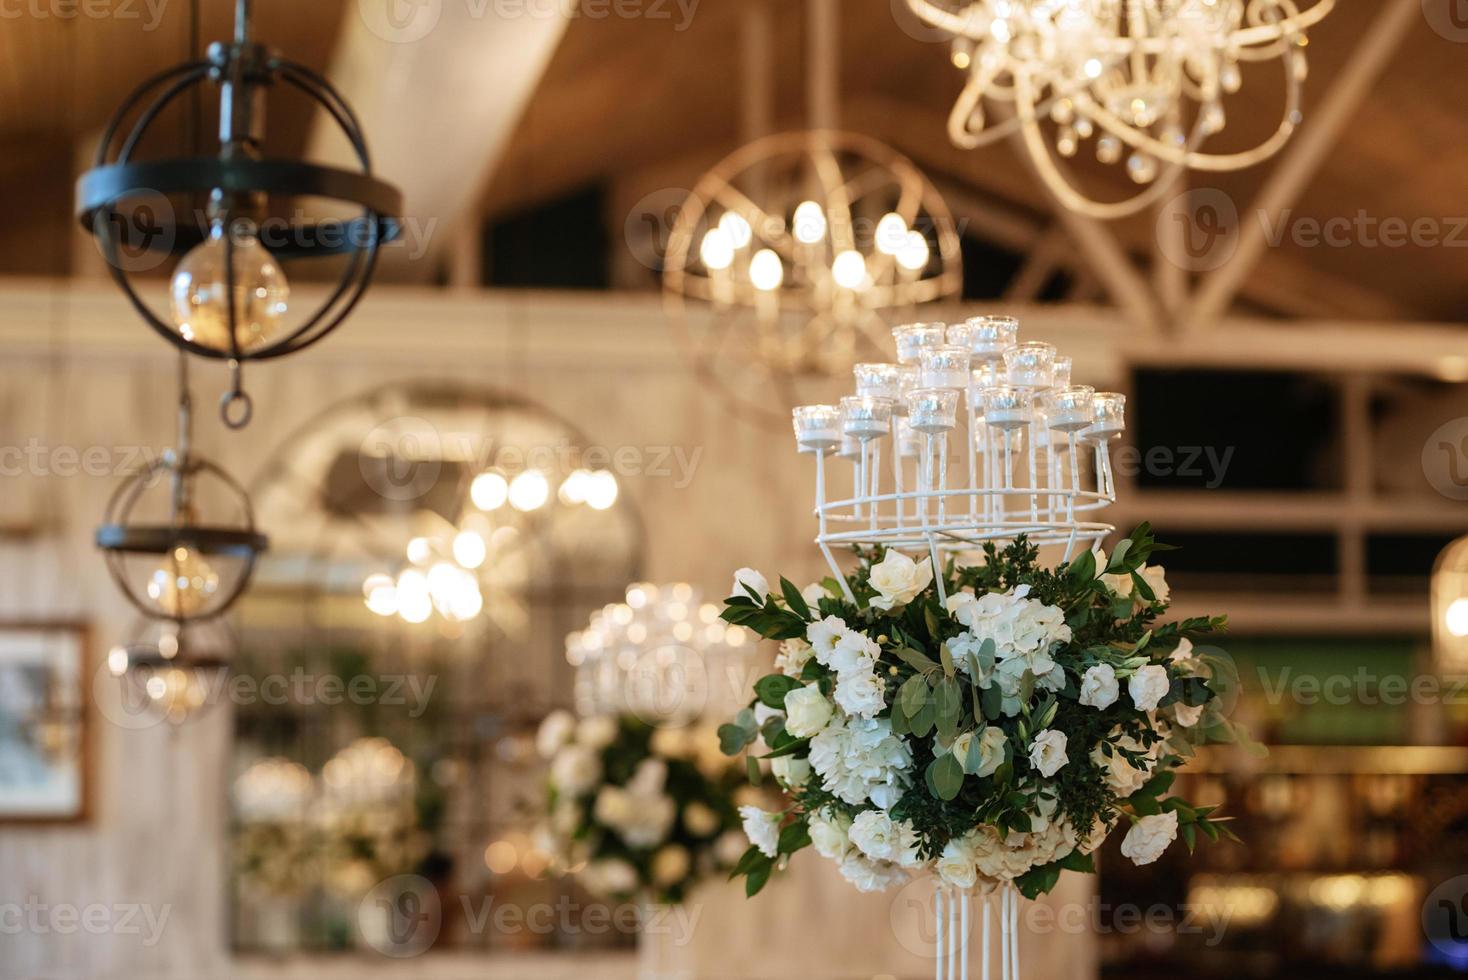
1033	450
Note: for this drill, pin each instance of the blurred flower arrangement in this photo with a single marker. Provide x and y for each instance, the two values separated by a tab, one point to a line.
637	812
348	830
996	737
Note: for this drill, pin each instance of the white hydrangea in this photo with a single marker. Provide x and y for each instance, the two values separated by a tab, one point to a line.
860	693
1024	632
860	760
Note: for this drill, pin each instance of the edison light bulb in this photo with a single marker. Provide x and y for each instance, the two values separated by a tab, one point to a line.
809	222
198	292
849	269
184	584
891	233
765	270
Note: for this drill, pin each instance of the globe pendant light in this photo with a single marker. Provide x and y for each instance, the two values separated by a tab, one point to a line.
169	562
229	293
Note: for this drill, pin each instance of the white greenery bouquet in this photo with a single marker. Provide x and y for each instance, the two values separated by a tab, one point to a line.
998	736
638	812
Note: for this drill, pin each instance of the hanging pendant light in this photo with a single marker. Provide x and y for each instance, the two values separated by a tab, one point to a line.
169	561
229	295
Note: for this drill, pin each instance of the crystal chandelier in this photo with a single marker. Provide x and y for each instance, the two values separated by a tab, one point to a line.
1146	78
972	437
793	256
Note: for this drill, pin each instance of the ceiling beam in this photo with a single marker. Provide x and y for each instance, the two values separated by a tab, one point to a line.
438	97
1302	160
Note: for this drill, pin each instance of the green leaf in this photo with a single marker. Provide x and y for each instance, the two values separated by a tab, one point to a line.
948	705
944	777
752	770
794	836
1083	569
913	695
758	878
1190	836
772	689
789	748
916	659
1118	557
922	723
947	658
992	700
1076	861
1140	586
1037	881
733	739
794	599
1157	785
748	861
930	620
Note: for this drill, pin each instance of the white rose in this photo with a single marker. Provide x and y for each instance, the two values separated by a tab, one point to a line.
898	579
1047	752
1099	688
670	865
823	635
991	751
905	852
860	694
1153	575
555	733
874	834
597	732
575	771
700	820
956	865
790	771
813	594
807	711
1148	686
870	876
854	652
793	656
746	579
830	834
1184	651
1149	837
1188	715
762	829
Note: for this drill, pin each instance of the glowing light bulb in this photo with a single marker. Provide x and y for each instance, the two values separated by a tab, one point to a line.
849	269
380	593
891	233
717	249
601	490
183	584
1456	617
766	270
415	604
573	487
913	256
470	549
529	491
419	550
809	222
199	292
733	224
489	491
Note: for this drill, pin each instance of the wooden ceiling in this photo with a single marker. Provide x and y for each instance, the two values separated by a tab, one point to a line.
643	103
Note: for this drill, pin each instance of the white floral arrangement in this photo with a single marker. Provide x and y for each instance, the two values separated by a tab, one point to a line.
638	812
995	737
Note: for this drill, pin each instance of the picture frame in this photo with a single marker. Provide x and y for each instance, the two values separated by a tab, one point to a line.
45	723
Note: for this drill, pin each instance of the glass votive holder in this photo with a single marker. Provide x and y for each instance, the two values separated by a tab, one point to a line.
933	410
1031	365
1071	408
1110	415
990	336
907	380
1060	373
817	427
879	380
909	443
985	376
1008	407
866	416
850	448
945	367
913	338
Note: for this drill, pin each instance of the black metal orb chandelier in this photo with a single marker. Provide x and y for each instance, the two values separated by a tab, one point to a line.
228	295
179	535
